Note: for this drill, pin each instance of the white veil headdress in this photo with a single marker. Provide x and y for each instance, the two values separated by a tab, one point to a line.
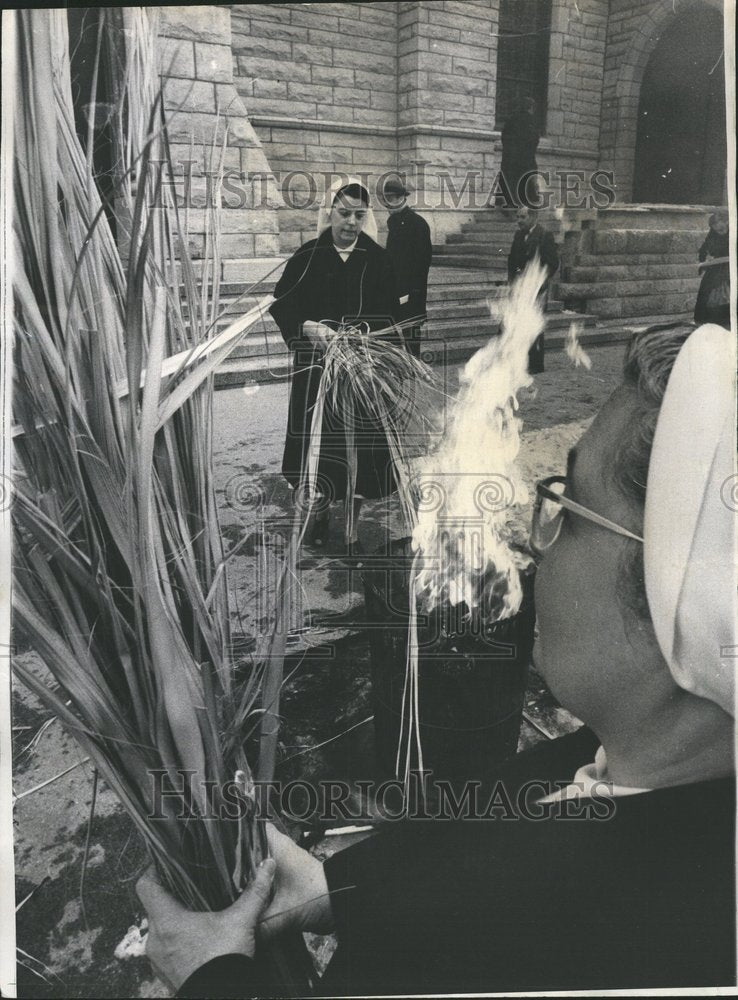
337	185
690	519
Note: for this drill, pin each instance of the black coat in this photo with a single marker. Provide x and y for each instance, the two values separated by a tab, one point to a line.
525	246
410	249
713	297
316	284
642	899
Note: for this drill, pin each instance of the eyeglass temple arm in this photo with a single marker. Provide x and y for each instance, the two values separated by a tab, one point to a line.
586	513
598	519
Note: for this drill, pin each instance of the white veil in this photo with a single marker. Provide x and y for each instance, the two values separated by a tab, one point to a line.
370	226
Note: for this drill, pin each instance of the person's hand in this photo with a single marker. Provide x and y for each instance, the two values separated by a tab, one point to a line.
300	900
180	941
317	333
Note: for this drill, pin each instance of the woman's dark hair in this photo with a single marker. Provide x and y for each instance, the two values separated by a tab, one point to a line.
353	191
648	364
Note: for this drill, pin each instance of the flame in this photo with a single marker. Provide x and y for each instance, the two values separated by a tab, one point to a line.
574	350
467	486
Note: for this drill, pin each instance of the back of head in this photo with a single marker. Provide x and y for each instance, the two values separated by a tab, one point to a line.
672	463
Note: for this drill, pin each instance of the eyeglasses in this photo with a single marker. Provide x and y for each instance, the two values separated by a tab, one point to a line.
548	514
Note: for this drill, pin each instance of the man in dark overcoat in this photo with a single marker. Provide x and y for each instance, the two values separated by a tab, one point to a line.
532	239
410	249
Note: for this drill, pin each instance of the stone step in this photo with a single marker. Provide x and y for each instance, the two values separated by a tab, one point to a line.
642	241
488	262
610	289
655	304
496	233
270	345
672	217
633	324
250	371
500	243
634	261
230	290
448	309
621	272
557	320
443	274
462	292
469	249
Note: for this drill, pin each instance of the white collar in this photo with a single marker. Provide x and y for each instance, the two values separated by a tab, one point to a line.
593	779
345	251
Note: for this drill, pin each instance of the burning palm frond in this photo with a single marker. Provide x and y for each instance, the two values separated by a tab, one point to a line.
464	562
574	350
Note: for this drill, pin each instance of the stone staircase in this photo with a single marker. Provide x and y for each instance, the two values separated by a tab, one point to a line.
459	323
485	241
634	261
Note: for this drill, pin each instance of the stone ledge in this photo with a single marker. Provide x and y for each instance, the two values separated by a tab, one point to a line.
402	131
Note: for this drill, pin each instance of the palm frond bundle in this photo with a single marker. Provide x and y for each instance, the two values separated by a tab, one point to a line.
118	560
370	379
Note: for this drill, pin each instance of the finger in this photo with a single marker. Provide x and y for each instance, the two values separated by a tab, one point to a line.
279	843
254	899
155	899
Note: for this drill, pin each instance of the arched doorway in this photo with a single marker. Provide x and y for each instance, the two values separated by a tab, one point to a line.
680	155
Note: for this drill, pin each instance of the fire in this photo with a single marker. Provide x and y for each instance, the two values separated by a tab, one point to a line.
574	350
467	486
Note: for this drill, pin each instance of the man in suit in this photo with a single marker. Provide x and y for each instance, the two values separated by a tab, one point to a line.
409	247
532	238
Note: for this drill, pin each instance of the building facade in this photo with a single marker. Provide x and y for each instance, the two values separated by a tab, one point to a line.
628	91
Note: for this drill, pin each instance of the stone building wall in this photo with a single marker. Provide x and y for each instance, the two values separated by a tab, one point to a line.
202	104
320	84
313	90
577	56
447	82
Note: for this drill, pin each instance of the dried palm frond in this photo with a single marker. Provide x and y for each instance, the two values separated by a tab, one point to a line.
363	373
370	379
118	560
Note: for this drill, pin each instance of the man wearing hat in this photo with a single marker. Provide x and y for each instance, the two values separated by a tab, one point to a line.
532	240
409	247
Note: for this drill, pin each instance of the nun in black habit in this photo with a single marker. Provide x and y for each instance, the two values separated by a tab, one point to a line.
342	277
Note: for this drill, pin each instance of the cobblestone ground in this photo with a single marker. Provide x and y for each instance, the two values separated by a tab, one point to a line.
73	947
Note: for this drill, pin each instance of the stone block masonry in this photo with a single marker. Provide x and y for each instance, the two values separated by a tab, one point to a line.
314	90
320	84
204	107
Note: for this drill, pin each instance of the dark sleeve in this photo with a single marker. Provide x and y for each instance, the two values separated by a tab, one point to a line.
287	306
228	976
423	254
448	907
704	249
549	253
386	307
512	259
